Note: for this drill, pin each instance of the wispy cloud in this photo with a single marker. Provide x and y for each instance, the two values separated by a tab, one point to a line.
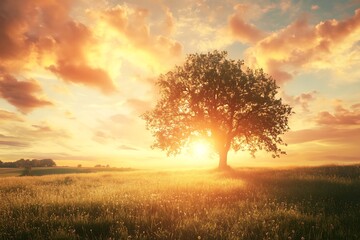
126	147
340	116
22	94
10	116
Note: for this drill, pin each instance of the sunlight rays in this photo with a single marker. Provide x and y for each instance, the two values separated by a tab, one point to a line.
200	149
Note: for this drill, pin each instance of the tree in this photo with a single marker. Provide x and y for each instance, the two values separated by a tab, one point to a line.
218	99
48	163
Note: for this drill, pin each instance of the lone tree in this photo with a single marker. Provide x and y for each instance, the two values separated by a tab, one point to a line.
218	99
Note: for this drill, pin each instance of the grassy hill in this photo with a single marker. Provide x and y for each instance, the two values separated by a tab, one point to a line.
300	203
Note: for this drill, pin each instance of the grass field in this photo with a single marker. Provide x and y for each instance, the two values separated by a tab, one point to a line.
301	203
41	171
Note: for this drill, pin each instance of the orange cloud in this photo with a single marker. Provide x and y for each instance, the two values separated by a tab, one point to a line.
45	30
274	69
13	25
9	116
93	77
21	94
300	44
335	138
24	25
243	31
72	42
72	63
333	30
325	134
341	116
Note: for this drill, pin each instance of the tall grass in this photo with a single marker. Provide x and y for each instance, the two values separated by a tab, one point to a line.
308	203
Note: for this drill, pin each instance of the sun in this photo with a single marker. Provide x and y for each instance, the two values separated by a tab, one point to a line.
200	148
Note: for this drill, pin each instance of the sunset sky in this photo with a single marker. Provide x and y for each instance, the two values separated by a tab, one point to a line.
75	75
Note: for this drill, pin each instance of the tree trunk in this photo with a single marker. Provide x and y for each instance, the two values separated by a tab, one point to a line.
223	160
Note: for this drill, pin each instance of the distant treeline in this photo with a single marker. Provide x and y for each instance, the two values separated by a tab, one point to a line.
26	163
99	166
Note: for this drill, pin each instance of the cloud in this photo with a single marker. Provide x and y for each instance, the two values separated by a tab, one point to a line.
24	26
301	45
241	30
314	7
10	142
139	106
334	31
341	116
42	128
133	26
122	128
121	119
325	134
304	99
101	137
169	22
13	144
72	63
44	34
113	128
40	136
125	147
339	128
73	40
343	158
285	5
274	69
21	94
10	116
13	14
86	75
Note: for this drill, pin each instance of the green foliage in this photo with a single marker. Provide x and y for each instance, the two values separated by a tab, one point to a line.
213	97
309	203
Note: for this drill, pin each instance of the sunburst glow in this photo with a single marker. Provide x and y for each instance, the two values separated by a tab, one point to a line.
200	148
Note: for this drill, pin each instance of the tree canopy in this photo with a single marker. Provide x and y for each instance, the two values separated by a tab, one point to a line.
218	99
28	163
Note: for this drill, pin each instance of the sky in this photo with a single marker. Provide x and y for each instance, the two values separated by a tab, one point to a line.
75	75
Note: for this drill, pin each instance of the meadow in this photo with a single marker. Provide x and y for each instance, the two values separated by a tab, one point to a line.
300	203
